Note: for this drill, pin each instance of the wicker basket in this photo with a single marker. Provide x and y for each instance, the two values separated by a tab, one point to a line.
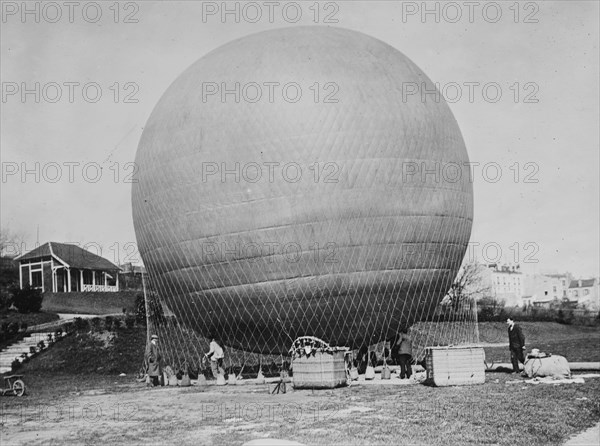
455	366
321	370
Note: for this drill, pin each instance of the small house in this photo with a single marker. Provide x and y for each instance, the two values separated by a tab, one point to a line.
61	267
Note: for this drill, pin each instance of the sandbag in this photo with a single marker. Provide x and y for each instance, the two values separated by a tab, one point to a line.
185	380
354	374
201	379
555	366
370	372
386	373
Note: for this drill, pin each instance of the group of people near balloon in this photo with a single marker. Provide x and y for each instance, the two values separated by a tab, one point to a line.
400	353
155	362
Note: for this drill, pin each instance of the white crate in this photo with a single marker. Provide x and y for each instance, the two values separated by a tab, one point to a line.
455	366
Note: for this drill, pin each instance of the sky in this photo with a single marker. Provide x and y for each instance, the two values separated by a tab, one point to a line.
533	115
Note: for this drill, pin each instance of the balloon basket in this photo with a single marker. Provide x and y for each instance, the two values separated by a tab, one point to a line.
320	370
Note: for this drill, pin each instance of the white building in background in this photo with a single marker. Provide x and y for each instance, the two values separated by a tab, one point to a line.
506	283
586	292
541	290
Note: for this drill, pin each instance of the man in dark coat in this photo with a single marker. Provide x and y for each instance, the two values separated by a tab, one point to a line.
516	344
362	359
154	361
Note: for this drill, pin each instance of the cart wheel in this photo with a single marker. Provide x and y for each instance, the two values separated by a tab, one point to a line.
18	387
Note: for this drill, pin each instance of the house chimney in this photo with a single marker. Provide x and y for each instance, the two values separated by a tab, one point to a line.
579	283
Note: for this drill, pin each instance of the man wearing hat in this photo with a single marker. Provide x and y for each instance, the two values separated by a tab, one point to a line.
516	344
154	361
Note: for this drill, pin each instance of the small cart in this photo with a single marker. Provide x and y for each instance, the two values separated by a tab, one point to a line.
13	385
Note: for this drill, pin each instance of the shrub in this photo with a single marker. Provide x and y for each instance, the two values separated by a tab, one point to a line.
130	321
15	365
5	299
32	350
27	300
564	317
9	330
109	322
69	327
13	329
96	324
4	331
140	309
81	324
155	309
486	314
41	345
116	324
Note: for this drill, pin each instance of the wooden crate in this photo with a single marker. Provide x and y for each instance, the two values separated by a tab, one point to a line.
455	366
322	370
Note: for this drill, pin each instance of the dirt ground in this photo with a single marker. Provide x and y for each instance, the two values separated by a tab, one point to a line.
134	414
124	412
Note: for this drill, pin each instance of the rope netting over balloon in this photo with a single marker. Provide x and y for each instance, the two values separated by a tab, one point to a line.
408	299
183	347
355	274
260	222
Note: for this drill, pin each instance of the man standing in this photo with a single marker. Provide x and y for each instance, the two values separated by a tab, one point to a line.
516	344
402	350
154	361
216	356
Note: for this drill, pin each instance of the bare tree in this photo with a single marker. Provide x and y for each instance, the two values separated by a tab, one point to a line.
469	286
10	243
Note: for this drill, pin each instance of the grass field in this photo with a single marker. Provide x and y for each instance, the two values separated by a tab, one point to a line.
70	401
96	353
576	343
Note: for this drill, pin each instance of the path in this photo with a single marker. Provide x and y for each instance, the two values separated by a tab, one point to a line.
590	437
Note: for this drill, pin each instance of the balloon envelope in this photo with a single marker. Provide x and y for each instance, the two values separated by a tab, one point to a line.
299	182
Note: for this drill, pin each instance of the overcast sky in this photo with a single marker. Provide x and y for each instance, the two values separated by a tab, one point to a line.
542	56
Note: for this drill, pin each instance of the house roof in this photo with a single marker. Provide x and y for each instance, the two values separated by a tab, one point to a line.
556	276
72	255
585	283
